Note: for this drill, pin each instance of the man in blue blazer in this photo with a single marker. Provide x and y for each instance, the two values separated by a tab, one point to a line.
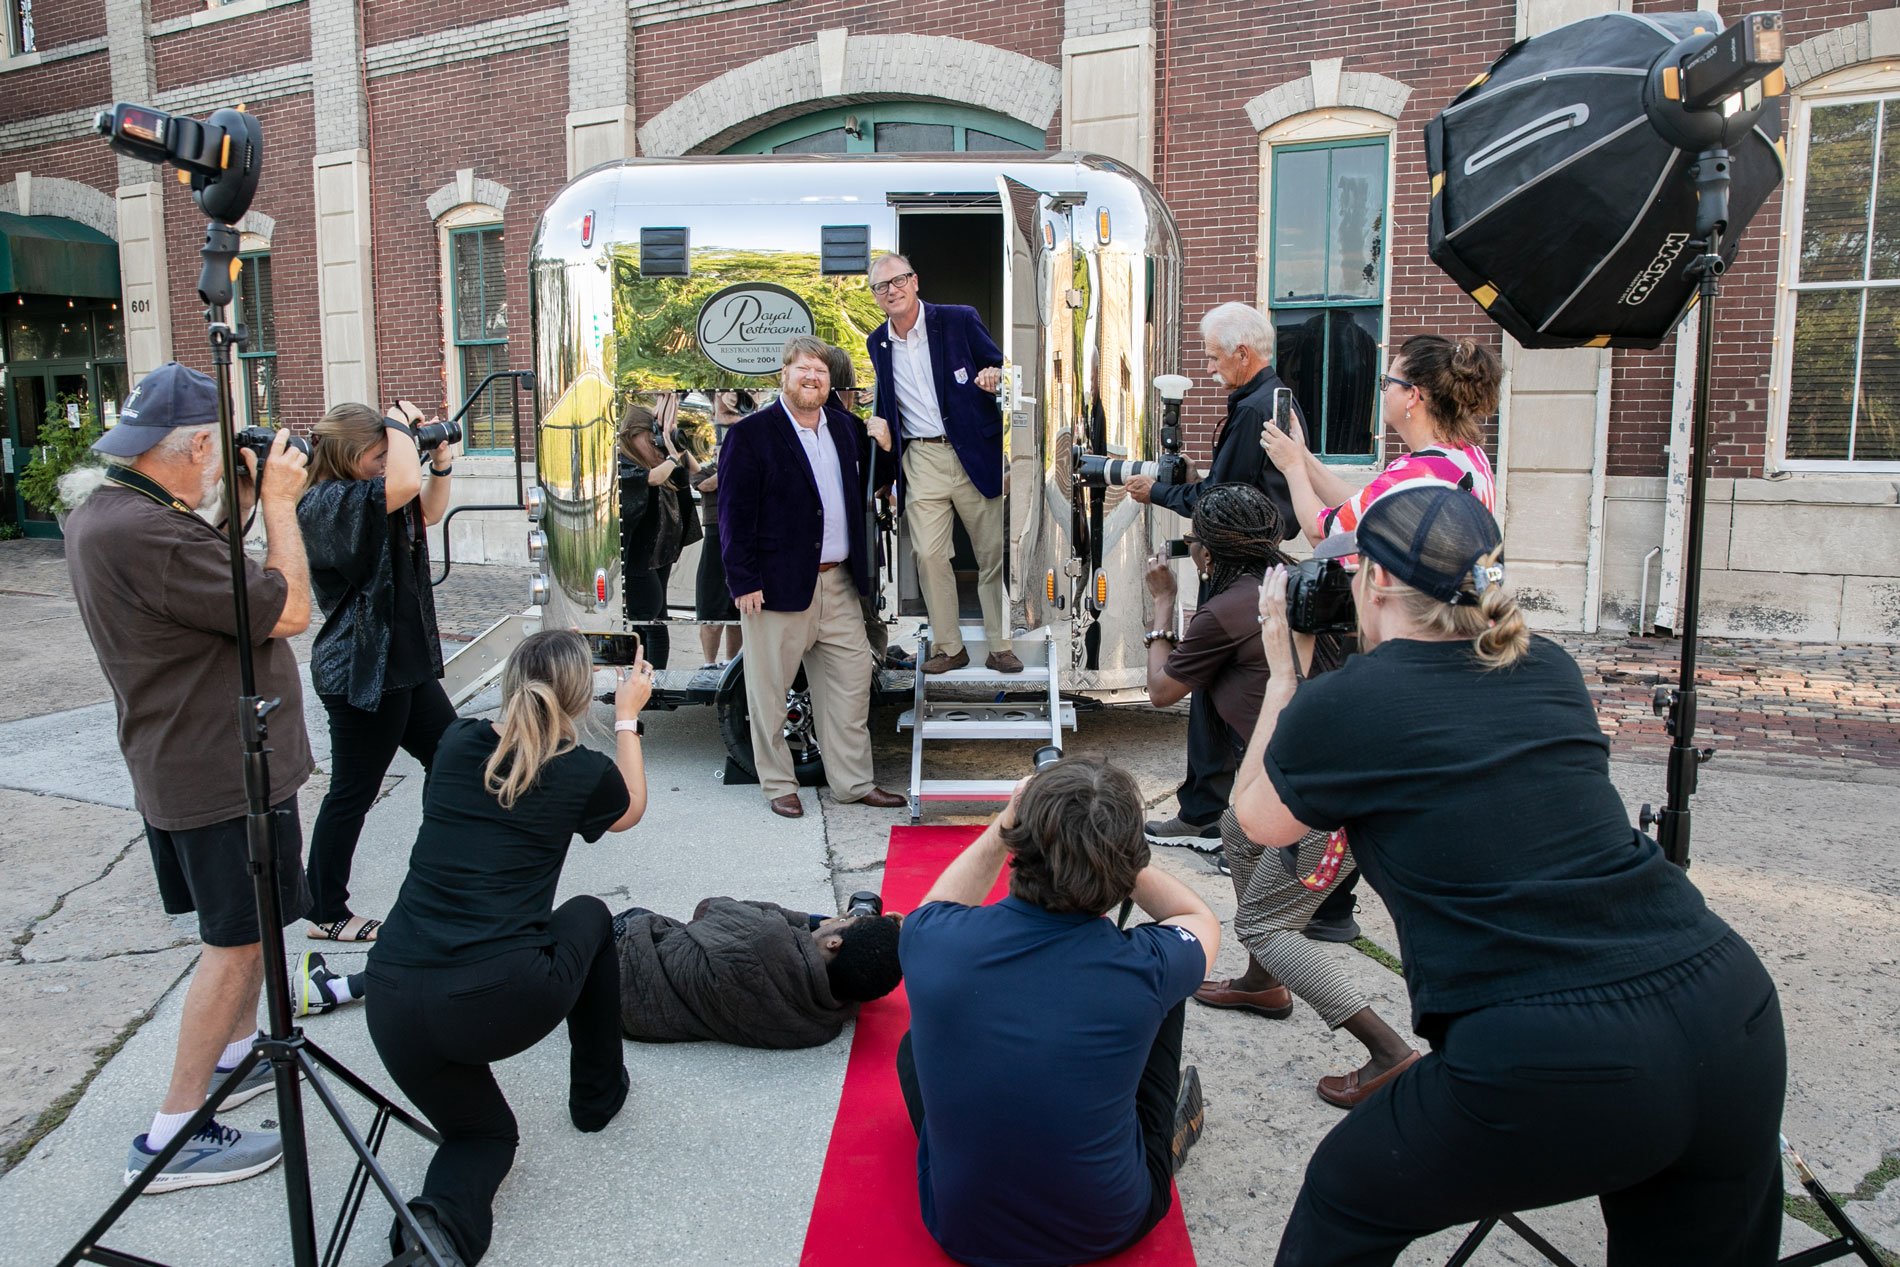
792	537
937	372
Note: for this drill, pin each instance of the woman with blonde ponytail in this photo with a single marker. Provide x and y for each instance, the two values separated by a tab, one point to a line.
1596	1030
476	963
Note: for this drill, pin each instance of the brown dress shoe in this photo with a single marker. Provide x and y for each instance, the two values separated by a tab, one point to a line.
1348	1092
1004	662
787	806
943	662
1275	1003
878	798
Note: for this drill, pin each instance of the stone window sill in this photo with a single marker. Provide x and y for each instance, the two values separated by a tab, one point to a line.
43	56
215	13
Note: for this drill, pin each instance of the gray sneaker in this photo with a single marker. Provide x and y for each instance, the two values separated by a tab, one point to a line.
216	1154
255	1083
1181	833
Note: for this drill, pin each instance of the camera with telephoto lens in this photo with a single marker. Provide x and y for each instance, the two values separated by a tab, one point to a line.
259	439
1319	598
865	903
430	434
1101	471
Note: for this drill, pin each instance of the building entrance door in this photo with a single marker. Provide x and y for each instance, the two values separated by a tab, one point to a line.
30	388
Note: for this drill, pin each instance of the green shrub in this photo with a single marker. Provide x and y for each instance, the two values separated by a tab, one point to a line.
62	447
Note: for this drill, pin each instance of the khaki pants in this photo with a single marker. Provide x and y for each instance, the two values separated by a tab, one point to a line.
828	639
936	488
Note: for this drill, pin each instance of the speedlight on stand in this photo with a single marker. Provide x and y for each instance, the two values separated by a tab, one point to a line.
224	155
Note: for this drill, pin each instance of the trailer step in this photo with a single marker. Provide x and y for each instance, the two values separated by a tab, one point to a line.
966	789
987	721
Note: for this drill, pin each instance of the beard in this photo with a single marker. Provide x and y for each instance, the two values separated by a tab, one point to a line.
210	495
806	399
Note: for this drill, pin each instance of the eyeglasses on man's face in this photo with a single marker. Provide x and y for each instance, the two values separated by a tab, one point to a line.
890	283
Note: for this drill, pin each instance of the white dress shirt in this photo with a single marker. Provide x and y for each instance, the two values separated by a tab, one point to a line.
828	473
916	385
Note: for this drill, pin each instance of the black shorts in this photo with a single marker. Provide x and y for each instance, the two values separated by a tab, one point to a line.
711	599
206	869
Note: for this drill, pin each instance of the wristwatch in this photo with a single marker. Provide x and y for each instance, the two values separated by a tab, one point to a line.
1153	635
637	726
445	470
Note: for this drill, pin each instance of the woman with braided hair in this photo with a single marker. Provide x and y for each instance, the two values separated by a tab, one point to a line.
1236	531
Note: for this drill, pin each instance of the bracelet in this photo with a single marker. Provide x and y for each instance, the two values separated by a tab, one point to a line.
447	470
1155	635
634	727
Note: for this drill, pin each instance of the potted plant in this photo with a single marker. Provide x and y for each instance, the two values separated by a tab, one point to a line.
62	447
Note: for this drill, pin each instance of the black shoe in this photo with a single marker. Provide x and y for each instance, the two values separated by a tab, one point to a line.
402	1241
1221	864
1190	1115
1344	929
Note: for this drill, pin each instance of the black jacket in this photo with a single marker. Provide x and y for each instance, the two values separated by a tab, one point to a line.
1238	457
369	569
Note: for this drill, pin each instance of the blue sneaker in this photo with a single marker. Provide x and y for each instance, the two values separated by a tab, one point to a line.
216	1154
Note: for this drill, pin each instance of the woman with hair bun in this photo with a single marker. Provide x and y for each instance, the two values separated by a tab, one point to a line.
1596	1030
476	963
1436	397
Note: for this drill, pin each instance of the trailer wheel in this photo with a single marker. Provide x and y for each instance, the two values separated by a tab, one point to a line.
735	727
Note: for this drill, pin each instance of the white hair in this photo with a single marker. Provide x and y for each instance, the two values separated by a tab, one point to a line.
76	485
177	442
1232	326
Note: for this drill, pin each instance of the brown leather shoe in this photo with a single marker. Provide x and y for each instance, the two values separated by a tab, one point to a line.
943	662
787	806
878	798
1348	1092
1275	1003
1004	662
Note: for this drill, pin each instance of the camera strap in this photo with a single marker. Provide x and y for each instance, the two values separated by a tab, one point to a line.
139	482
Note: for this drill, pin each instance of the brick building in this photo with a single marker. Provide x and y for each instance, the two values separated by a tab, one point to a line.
411	146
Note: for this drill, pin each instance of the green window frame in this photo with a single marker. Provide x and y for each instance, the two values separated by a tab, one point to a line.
907	127
20	37
257	359
478	329
1328	224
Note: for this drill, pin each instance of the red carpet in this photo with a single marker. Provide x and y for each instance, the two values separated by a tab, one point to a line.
867	1195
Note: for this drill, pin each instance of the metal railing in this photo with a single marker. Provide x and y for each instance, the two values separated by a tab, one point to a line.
520	381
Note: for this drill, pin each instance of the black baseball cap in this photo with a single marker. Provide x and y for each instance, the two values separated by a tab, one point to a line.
171	396
1430	536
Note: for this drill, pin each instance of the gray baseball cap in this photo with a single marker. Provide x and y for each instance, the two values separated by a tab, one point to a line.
171	396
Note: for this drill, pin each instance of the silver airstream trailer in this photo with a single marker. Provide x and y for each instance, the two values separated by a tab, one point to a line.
657	282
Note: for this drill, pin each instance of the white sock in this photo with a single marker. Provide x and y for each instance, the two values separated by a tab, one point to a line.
234	1052
338	988
165	1126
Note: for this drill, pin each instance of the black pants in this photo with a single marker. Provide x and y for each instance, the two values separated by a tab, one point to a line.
1210	764
1155	1095
1659	1096
646	592
438	1029
362	744
1342	901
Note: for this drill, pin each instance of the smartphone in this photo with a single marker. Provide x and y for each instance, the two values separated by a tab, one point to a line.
1175	548
1283	409
616	649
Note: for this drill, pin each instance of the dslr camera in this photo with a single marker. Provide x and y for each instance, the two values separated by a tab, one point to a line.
1319	598
257	440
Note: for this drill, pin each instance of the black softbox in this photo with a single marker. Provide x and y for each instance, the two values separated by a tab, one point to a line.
1559	208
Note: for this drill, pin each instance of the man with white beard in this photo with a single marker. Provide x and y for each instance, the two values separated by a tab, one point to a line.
153	581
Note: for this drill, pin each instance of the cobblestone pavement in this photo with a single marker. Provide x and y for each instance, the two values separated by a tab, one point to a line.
1781	702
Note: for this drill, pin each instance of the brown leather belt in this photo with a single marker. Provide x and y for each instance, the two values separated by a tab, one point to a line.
826	567
926	439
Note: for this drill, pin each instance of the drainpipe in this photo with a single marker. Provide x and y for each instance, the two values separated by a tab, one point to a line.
1501	470
1599	478
1676	486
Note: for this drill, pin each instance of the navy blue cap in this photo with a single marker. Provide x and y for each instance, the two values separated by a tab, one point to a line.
172	395
1431	536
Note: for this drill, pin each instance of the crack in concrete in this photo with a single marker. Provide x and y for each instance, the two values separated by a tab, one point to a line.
1807	1210
24	938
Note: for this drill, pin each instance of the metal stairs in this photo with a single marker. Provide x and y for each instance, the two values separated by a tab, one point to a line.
944	707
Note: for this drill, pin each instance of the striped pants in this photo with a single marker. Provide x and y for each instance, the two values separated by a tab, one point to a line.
1274	908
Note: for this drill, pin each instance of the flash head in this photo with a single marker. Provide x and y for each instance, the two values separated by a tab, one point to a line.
222	154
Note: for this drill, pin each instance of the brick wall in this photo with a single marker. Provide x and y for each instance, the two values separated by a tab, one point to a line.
60	22
422	137
166	10
276	37
387	22
286	196
85	159
1218	61
73	83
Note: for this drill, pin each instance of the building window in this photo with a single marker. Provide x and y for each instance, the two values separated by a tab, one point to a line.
19	28
257	359
1325	275
894	127
1844	280
478	328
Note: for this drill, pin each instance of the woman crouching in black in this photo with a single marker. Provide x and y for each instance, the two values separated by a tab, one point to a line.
1596	1030
475	964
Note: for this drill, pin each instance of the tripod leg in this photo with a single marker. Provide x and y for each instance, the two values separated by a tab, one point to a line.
1851	1240
348	1078
1535	1241
1469	1246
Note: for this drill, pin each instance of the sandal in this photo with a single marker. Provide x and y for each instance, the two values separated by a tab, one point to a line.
366	931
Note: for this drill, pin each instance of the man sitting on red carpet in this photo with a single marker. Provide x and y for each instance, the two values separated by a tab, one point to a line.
1043	1066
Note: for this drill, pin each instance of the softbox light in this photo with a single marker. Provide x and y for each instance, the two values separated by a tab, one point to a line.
1559	206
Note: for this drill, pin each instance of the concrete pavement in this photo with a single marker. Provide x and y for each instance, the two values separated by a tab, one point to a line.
717	1155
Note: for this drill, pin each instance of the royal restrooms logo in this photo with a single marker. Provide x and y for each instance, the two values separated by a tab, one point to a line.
1645	281
742	328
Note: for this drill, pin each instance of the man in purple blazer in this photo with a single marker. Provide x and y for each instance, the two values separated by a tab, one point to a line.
937	372
792	537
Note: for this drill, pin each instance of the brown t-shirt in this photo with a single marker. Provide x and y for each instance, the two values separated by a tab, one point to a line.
1221	654
154	591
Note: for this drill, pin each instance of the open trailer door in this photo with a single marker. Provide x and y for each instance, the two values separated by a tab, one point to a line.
1034	233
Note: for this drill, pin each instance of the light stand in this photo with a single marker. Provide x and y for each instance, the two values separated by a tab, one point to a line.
284	1045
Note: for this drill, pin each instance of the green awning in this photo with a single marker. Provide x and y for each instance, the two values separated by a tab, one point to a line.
46	255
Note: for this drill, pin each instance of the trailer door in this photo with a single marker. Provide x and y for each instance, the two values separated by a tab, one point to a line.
1034	233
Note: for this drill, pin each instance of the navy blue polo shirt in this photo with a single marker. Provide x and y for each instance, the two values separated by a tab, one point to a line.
1030	1031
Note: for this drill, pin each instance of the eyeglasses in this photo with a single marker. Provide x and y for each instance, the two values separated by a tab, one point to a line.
885	286
1393	380
1188	538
